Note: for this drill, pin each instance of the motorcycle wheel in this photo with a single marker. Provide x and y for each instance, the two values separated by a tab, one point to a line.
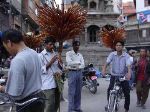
93	87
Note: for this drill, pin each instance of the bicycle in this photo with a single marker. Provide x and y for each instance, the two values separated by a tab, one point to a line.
114	96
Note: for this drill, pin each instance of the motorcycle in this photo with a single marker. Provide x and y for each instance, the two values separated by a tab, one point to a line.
90	79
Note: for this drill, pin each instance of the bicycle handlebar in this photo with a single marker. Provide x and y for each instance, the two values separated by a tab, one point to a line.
120	78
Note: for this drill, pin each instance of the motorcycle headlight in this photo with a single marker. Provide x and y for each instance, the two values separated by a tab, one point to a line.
117	87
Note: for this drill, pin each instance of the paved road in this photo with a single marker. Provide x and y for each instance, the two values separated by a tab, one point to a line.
96	103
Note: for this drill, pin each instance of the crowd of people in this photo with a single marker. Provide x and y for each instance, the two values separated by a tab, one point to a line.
36	75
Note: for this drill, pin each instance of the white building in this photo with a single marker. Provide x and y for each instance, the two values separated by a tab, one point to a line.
138	26
142	5
143	10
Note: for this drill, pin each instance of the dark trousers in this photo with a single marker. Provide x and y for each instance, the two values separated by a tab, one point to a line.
125	88
74	90
36	106
142	91
53	102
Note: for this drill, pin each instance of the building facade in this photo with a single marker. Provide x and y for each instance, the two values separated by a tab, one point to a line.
18	14
99	14
138	26
128	8
10	14
29	15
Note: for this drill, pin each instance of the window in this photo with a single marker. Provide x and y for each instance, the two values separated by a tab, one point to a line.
148	33
36	12
143	33
147	3
93	5
92	33
31	5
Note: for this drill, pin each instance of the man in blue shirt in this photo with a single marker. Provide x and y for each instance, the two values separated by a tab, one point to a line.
120	62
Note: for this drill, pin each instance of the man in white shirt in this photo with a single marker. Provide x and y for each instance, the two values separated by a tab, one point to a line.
75	63
50	62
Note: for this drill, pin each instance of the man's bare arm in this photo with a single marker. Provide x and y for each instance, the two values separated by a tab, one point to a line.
104	68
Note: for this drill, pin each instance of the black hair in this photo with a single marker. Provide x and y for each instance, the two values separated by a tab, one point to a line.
144	49
49	39
13	35
121	42
75	43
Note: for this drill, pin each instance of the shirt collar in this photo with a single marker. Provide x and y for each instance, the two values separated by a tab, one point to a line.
74	52
45	52
123	53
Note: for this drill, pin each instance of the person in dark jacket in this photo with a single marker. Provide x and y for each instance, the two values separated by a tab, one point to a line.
142	78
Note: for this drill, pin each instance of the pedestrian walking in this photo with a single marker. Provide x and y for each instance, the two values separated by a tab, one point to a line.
142	78
51	63
24	76
120	67
75	64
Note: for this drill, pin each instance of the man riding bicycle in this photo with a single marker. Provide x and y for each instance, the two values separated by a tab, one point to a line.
120	67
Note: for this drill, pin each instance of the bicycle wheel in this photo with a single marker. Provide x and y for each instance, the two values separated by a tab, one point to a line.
112	103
